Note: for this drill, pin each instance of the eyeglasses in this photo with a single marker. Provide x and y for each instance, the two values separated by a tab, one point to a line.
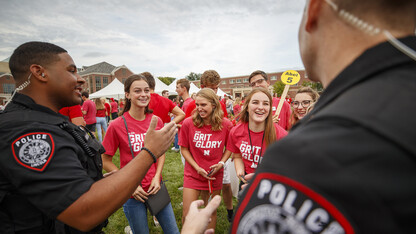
305	103
259	81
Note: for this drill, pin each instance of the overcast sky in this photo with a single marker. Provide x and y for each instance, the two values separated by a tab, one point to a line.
166	37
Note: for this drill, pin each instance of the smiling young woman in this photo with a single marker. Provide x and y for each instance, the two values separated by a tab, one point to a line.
127	134
305	97
248	140
202	139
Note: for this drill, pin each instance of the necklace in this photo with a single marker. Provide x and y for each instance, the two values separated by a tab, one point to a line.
251	144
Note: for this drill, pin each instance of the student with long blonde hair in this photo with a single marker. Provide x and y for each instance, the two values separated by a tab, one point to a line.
255	132
202	139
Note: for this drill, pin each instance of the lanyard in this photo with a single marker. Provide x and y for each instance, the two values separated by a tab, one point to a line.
251	144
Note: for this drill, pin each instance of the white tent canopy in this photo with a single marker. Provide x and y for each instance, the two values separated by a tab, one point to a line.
221	93
113	90
160	86
116	89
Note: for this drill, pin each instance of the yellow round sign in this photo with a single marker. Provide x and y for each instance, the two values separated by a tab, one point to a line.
290	77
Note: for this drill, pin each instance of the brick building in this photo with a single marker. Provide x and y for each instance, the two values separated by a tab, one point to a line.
99	75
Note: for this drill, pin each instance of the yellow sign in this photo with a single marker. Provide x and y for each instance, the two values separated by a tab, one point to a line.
290	77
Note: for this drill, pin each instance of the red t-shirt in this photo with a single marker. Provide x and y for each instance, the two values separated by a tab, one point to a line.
239	142
116	138
161	106
192	106
114	107
186	104
107	109
236	109
101	113
71	111
89	107
207	148
284	113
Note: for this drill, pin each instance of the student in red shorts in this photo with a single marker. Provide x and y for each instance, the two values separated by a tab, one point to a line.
202	139
255	131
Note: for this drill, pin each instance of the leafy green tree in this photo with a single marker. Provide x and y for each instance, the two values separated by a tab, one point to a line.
193	76
314	85
167	80
278	88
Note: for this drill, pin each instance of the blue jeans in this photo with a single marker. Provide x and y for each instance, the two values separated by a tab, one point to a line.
101	122
136	214
175	143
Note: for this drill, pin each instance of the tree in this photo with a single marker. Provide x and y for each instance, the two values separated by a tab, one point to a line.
193	76
167	80
314	85
278	88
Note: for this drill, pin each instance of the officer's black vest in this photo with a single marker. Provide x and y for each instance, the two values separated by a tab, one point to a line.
15	205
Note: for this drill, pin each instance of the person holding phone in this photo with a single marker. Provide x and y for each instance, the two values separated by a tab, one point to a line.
203	137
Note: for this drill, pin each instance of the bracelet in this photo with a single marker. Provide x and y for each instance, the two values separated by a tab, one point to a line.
222	163
151	154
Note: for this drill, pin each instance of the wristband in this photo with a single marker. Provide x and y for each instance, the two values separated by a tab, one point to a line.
222	163
151	154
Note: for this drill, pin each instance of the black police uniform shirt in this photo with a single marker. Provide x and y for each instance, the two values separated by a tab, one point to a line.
349	166
40	162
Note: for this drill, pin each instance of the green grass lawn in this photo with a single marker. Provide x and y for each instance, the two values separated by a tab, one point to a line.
173	173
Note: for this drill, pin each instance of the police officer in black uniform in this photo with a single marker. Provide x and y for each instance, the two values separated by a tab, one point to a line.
50	169
349	166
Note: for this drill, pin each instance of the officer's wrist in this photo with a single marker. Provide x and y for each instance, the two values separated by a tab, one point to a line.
150	153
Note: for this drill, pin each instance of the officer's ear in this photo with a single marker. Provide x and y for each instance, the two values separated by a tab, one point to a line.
38	72
312	10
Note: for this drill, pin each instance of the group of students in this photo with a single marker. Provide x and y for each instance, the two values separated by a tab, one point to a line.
207	139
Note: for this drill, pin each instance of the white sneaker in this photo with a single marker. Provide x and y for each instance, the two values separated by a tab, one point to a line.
128	230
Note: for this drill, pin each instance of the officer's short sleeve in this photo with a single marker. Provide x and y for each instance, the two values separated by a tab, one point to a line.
41	162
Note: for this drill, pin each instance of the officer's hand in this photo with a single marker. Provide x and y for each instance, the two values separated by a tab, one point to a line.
197	220
140	194
159	141
154	185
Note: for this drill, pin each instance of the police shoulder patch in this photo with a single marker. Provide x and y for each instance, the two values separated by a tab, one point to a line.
33	150
277	204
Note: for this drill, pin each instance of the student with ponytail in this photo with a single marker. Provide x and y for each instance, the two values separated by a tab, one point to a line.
127	134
